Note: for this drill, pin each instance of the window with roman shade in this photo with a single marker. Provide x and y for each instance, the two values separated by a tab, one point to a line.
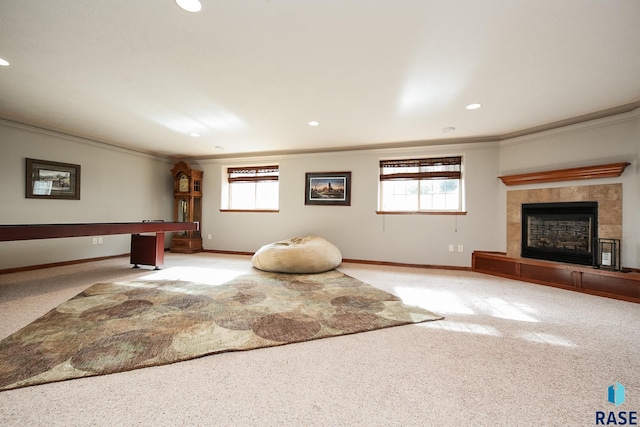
253	188
421	185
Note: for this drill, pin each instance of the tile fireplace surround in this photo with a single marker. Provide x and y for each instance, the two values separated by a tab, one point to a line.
608	196
613	284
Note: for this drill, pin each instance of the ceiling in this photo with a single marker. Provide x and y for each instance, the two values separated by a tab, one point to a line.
248	75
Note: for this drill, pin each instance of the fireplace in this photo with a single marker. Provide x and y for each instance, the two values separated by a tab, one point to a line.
562	232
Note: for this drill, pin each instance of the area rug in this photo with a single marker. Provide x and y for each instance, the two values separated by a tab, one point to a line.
117	327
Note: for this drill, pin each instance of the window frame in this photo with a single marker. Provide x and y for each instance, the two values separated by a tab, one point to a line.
454	169
248	174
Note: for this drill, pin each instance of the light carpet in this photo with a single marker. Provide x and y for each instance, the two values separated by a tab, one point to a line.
121	326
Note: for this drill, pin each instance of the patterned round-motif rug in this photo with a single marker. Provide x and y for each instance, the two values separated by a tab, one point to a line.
117	327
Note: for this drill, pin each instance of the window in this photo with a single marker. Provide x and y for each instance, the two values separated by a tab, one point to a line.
253	188
421	185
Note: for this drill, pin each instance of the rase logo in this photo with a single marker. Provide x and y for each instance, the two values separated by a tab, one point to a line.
616	395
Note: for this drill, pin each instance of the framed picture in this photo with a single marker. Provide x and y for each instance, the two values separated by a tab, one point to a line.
52	180
328	188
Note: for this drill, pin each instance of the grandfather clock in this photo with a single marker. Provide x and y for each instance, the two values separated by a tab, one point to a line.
187	207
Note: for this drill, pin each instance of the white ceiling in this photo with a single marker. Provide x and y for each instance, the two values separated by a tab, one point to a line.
248	75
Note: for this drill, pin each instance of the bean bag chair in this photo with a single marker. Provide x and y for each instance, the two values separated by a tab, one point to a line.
300	255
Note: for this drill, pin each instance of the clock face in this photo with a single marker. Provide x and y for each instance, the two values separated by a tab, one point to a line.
183	184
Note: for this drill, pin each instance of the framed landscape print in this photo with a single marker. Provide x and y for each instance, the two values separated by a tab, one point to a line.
328	188
52	180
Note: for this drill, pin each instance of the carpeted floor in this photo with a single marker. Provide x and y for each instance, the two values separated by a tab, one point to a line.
118	327
507	353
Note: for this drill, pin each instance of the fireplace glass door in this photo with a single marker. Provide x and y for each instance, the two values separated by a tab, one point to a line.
560	231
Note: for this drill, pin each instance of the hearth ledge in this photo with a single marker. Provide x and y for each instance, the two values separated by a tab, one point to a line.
623	285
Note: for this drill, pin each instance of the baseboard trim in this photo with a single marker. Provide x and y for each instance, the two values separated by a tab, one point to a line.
403	264
363	261
214	251
58	264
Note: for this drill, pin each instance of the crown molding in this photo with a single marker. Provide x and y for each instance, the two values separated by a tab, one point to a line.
601	118
598	118
619	113
83	140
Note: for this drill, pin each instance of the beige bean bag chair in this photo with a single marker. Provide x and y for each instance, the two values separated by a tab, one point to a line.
310	254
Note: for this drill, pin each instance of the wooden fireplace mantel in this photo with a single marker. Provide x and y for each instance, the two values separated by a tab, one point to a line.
587	172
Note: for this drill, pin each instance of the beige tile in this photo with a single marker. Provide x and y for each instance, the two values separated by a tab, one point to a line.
606	192
513	249
610	231
610	212
542	195
608	196
571	194
555	194
516	197
514	214
514	232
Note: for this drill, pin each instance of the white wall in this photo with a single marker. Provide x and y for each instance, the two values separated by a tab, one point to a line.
609	140
116	186
357	230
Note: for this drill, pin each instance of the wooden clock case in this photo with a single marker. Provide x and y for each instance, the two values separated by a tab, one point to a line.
187	207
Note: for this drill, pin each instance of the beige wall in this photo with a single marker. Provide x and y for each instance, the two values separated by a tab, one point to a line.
116	186
357	230
609	140
121	185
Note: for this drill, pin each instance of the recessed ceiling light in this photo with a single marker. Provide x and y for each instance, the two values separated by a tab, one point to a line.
313	123
4	62
194	134
190	5
473	106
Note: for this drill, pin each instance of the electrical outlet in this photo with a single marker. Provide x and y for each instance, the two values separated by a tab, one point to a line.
209	236
100	241
460	248
450	248
95	240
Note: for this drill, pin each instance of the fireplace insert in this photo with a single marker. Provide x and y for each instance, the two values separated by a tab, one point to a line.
562	232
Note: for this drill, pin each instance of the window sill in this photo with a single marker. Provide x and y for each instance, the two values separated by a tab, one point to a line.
251	210
421	212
